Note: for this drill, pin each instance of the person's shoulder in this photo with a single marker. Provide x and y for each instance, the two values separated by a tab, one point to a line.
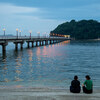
78	81
86	80
89	81
72	81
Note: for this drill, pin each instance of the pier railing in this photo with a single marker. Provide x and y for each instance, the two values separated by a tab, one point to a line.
29	37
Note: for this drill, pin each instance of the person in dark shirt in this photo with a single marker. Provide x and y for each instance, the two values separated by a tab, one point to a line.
75	85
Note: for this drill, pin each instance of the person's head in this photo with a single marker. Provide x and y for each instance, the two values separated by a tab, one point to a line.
75	77
87	77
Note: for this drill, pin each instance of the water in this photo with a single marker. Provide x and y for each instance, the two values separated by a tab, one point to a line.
51	66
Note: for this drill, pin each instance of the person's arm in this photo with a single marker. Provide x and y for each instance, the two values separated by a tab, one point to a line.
84	83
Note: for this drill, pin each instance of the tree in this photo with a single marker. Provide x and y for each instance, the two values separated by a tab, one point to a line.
84	29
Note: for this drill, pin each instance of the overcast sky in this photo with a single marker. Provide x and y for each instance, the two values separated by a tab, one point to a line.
44	15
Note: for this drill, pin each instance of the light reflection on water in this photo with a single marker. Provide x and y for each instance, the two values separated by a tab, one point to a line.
52	65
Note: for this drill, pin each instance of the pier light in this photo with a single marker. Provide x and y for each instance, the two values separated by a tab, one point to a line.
20	32
17	29
45	34
4	31
17	33
30	33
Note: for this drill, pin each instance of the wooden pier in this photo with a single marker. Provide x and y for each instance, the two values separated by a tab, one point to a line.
39	41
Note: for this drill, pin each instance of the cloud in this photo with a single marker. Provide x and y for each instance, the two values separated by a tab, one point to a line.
90	11
25	19
13	9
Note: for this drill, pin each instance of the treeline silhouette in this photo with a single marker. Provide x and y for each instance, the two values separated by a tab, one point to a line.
84	29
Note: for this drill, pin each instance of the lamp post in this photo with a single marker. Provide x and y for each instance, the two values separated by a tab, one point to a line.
4	31
17	33
20	32
38	34
30	33
45	34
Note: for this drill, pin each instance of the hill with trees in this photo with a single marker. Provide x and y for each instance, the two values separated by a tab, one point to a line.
84	29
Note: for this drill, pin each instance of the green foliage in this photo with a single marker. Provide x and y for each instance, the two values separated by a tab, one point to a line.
84	29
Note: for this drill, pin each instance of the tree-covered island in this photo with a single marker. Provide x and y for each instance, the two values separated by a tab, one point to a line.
84	29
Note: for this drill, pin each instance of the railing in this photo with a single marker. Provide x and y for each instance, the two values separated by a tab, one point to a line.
29	37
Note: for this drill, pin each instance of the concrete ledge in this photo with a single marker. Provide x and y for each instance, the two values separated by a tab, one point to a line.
45	94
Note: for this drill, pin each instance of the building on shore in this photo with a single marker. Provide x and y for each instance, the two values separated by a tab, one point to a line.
59	35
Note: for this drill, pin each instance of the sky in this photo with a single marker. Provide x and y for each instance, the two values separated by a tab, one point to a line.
44	15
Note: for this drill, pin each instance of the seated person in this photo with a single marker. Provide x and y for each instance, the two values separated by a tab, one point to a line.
75	85
88	85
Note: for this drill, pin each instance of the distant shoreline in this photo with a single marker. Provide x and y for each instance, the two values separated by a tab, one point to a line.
97	39
86	39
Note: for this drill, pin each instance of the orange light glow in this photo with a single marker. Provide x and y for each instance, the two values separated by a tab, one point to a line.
30	54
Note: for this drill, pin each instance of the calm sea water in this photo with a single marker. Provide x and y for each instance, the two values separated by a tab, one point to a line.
51	66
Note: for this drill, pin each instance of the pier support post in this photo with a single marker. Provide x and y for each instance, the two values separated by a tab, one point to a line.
21	45
4	44
4	49
32	44
46	42
36	43
28	44
42	43
50	42
16	46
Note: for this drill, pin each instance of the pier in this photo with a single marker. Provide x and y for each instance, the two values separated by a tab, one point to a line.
39	41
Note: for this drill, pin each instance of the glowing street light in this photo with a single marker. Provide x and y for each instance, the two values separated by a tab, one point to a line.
20	32
4	31
30	33
17	33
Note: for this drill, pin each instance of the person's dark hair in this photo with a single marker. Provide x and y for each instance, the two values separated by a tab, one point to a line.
87	77
75	77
